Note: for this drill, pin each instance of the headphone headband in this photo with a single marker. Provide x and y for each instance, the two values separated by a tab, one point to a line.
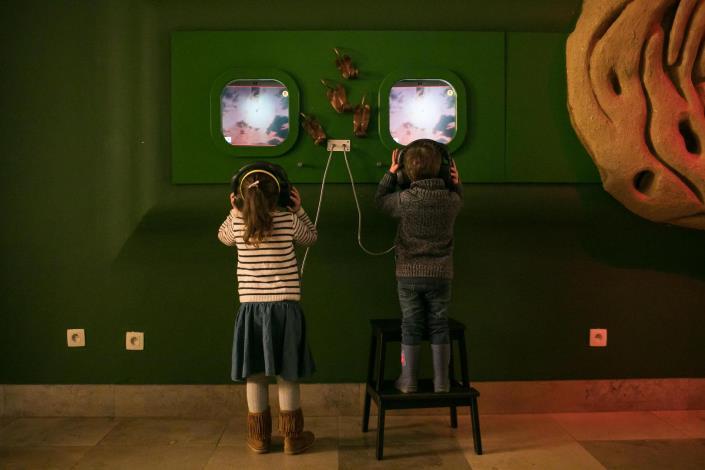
276	180
274	171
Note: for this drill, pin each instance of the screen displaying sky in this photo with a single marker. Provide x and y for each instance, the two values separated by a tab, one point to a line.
255	113
422	109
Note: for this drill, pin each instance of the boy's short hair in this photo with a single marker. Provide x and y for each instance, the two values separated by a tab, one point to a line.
422	160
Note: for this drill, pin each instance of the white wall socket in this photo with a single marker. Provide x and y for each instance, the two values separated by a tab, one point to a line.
598	337
338	145
76	338
134	340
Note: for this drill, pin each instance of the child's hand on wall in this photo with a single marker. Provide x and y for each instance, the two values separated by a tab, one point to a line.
395	161
454	175
295	200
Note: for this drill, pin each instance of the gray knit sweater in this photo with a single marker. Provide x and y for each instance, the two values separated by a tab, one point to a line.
426	213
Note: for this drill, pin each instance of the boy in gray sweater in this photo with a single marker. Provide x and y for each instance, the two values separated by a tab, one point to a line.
424	255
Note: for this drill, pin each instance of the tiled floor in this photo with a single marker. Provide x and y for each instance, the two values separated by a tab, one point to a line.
638	440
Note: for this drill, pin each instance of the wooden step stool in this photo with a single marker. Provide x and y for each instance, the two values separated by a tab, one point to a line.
389	398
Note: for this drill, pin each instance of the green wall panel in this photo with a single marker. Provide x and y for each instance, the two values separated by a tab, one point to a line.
541	143
199	58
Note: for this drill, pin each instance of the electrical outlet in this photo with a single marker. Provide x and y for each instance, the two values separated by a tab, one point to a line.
338	145
134	340
598	337
76	338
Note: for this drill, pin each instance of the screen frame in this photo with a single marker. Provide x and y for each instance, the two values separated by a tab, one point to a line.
239	74
422	74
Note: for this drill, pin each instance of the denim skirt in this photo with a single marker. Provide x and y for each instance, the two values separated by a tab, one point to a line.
270	338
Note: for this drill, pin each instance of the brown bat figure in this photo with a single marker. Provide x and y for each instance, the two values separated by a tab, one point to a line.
314	129
345	65
337	96
361	118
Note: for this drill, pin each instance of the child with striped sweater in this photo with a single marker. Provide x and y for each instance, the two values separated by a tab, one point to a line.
270	330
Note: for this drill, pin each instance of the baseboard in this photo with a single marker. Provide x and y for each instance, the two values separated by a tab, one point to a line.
218	401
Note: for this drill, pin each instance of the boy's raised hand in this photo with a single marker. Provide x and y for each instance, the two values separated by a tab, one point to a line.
395	161
295	200
454	175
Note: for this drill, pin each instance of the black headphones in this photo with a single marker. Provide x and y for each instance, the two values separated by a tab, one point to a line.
275	171
403	179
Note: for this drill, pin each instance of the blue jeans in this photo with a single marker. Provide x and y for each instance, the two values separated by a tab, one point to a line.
424	304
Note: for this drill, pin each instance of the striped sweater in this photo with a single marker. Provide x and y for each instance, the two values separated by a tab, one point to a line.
269	272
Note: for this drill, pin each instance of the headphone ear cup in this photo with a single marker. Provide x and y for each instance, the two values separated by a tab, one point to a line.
234	184
284	194
444	174
284	199
402	180
446	163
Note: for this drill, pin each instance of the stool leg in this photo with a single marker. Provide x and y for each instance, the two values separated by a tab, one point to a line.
380	432
451	366
476	437
370	376
451	376
381	358
366	412
463	362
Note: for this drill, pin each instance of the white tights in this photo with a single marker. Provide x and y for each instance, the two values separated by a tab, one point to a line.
258	394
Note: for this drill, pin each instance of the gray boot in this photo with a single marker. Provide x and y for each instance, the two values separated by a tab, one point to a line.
406	383
441	361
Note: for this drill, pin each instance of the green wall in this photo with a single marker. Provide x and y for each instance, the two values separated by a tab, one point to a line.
95	236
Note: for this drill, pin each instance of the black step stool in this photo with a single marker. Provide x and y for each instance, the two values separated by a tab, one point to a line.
389	398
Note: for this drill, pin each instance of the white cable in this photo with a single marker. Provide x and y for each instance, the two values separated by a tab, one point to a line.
359	214
318	210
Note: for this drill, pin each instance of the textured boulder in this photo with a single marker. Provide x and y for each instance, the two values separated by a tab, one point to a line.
636	97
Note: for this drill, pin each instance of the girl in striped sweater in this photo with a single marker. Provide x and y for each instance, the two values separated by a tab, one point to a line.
270	330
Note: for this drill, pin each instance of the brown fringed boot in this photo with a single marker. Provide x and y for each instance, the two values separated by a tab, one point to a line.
259	431
291	425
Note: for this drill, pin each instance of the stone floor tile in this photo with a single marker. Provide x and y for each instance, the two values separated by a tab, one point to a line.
146	457
402	454
39	432
41	457
165	432
557	456
657	454
409	441
691	422
514	432
4	421
523	441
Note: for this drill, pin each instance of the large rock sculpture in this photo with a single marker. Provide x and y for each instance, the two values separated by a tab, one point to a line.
636	93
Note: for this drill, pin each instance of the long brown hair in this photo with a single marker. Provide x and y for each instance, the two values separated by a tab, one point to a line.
258	201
